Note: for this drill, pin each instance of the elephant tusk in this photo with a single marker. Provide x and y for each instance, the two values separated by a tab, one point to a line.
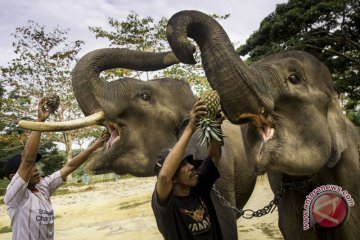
90	120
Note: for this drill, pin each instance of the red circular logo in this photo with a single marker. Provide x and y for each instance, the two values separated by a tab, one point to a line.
329	210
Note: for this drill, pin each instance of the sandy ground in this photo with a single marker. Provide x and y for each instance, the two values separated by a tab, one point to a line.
121	210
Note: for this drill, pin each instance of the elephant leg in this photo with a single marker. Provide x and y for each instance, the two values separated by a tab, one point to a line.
291	219
226	217
290	211
244	187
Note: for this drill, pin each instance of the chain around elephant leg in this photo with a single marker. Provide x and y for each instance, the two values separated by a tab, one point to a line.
249	213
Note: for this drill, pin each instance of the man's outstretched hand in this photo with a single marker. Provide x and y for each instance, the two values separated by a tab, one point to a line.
101	140
43	113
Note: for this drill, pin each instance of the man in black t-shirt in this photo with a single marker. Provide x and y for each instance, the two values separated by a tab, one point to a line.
181	200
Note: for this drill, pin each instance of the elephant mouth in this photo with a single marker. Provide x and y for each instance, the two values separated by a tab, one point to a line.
263	123
263	149
103	164
115	134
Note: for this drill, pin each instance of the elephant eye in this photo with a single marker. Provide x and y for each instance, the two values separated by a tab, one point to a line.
145	96
293	78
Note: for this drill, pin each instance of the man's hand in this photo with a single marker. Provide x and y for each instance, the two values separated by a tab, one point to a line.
198	109
101	140
82	156
32	144
43	113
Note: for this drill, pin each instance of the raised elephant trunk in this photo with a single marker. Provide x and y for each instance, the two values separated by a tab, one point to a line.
225	71
98	98
92	93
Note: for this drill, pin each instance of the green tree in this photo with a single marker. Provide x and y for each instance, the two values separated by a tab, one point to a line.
43	65
2	116
145	34
12	141
328	29
51	159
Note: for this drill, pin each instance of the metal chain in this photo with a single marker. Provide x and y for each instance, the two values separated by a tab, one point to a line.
248	213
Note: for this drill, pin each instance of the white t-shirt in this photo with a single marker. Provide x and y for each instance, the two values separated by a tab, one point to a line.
31	213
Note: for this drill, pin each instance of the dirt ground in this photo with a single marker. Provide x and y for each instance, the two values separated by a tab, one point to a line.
121	210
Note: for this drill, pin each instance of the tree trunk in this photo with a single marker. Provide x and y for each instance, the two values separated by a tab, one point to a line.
68	149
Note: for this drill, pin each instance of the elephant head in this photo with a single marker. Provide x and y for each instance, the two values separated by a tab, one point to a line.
295	128
142	117
296	124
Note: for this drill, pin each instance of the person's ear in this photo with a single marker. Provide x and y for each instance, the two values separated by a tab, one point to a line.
11	176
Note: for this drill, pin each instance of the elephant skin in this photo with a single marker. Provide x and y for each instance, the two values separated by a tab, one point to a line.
293	126
145	117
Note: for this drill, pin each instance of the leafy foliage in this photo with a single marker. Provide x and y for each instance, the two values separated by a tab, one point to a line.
2	91
135	33
328	29
42	66
51	160
10	144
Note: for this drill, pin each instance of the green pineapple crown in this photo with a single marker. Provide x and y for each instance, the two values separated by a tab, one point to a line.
207	125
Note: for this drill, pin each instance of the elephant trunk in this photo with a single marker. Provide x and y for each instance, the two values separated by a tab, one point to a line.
237	84
92	93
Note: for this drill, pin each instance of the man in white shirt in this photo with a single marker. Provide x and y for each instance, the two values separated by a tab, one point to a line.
28	195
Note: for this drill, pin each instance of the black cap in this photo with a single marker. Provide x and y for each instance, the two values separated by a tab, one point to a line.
160	158
12	164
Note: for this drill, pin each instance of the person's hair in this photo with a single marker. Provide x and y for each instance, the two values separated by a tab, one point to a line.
12	164
160	159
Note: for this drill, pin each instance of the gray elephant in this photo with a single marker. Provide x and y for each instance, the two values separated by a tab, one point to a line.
145	117
294	128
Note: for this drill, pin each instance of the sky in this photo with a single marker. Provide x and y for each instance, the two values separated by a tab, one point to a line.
78	15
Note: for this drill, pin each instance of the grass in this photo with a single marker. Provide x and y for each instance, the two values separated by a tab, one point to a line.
89	188
3	184
268	230
125	176
127	205
5	229
61	191
65	190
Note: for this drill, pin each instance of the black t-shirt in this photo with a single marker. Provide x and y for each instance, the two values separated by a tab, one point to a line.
193	216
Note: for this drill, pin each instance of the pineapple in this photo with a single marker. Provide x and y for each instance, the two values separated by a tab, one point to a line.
52	101
210	129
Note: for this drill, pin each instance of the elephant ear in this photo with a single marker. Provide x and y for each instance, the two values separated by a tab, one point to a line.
337	128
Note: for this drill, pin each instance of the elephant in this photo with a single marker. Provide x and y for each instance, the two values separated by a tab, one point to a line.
144	117
288	109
